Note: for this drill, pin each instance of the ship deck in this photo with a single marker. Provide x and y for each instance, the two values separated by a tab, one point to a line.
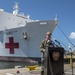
37	71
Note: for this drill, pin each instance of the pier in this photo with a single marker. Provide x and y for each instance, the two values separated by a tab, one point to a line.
37	71
21	71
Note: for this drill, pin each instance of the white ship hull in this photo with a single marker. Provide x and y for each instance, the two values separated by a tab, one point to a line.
13	29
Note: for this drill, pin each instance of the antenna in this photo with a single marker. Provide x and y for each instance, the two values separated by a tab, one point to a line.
56	17
16	5
15	8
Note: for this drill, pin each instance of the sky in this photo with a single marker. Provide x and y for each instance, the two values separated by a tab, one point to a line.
47	10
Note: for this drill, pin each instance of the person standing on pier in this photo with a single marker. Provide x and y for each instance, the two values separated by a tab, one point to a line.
45	43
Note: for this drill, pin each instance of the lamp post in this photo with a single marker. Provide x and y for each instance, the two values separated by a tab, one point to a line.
71	59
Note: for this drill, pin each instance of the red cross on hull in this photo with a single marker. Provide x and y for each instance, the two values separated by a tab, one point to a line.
11	45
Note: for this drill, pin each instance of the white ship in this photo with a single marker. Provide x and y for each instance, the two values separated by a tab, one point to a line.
20	37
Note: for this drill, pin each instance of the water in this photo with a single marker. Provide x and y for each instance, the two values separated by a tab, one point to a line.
7	65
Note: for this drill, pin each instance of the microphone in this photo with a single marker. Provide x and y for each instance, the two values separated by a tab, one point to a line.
57	41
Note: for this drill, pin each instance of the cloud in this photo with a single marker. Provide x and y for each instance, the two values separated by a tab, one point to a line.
72	35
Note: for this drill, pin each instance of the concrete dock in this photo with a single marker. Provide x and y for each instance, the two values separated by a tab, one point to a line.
20	71
37	71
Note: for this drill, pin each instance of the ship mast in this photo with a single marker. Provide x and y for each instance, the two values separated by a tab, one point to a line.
15	11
